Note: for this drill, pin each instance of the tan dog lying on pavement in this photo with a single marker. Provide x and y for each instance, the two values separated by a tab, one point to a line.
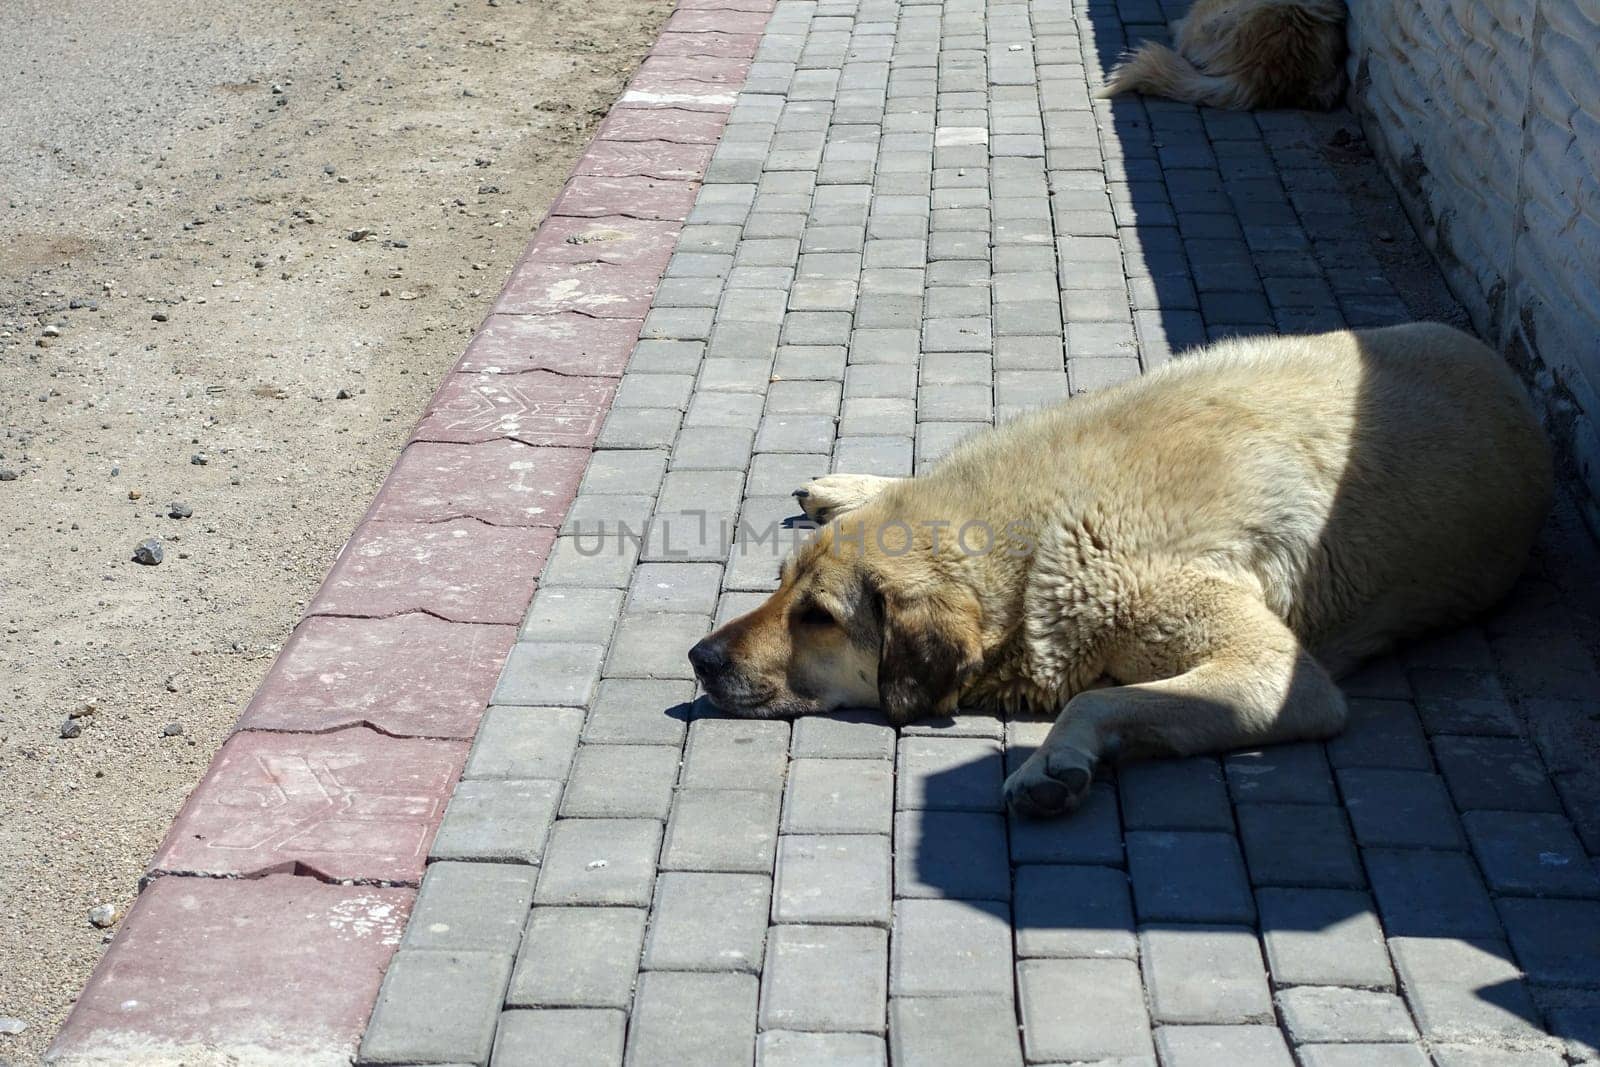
1244	54
1220	539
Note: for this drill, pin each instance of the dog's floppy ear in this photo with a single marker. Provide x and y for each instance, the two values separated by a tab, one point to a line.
930	644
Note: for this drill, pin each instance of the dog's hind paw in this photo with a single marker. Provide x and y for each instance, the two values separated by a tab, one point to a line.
826	498
1053	781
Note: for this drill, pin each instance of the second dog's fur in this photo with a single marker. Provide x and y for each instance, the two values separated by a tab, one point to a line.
1244	54
1221	538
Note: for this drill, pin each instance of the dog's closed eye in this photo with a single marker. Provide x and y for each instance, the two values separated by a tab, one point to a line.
815	615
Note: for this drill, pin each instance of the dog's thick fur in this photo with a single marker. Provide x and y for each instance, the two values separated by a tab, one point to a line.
1244	54
1220	539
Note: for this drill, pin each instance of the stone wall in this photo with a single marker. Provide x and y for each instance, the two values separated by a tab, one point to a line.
1487	115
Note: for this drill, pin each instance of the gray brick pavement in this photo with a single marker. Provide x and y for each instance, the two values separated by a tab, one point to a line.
918	221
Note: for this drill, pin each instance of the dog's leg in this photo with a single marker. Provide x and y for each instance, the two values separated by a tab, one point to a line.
825	499
1236	676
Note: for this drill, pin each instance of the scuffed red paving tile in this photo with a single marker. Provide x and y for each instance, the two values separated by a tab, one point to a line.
726	5
537	408
725	20
462	570
592	196
672	124
205	970
411	675
502	482
352	804
650	159
604	290
719	45
568	343
652	90
613	239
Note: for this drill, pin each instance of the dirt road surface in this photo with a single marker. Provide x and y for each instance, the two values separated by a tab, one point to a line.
240	244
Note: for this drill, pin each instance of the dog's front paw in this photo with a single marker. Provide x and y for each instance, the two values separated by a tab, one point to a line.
1053	781
826	498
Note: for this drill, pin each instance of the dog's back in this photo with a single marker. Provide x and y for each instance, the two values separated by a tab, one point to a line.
1244	54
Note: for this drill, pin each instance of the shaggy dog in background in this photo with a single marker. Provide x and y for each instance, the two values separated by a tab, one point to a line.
1244	54
1221	539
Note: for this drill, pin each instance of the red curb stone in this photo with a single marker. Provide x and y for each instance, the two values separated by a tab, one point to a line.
502	482
281	969
729	74
350	805
568	343
719	45
412	676
726	5
537	408
649	159
604	290
591	196
727	21
614	239
671	124
651	90
462	570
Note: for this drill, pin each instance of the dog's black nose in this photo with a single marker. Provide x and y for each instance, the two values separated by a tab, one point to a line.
708	657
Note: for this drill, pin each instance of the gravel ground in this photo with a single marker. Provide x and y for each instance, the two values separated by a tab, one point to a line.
241	244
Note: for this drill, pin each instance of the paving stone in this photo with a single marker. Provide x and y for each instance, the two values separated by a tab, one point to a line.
736	754
572	1038
1323	937
842	735
832	878
949	773
708	922
656	644
1557	941
1188	877
1316	1014
825	978
639	711
501	819
956	854
1464	991
954	1031
593	560
561	613
551	673
1073	912
1372	1056
1299	844
1422	893
1204	974
1237	1046
473	907
525	743
1381	733
1494	773
1473	1056
950	948
835	796
600	862
436	1007
1399	809
1107	1020
1530	854
1282	774
721	830
621	782
693	1020
1463	702
1174	795
1090	835
578	957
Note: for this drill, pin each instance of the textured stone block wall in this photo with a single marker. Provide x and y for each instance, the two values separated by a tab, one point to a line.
1487	114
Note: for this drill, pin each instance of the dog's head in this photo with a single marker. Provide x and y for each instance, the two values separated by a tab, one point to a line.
846	628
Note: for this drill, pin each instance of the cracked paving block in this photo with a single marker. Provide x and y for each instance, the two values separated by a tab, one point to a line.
352	804
721	830
1204	974
708	922
1107	1020
693	1020
566	343
499	819
411	675
436	1007
578	958
825	978
502	482
477	907
535	408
